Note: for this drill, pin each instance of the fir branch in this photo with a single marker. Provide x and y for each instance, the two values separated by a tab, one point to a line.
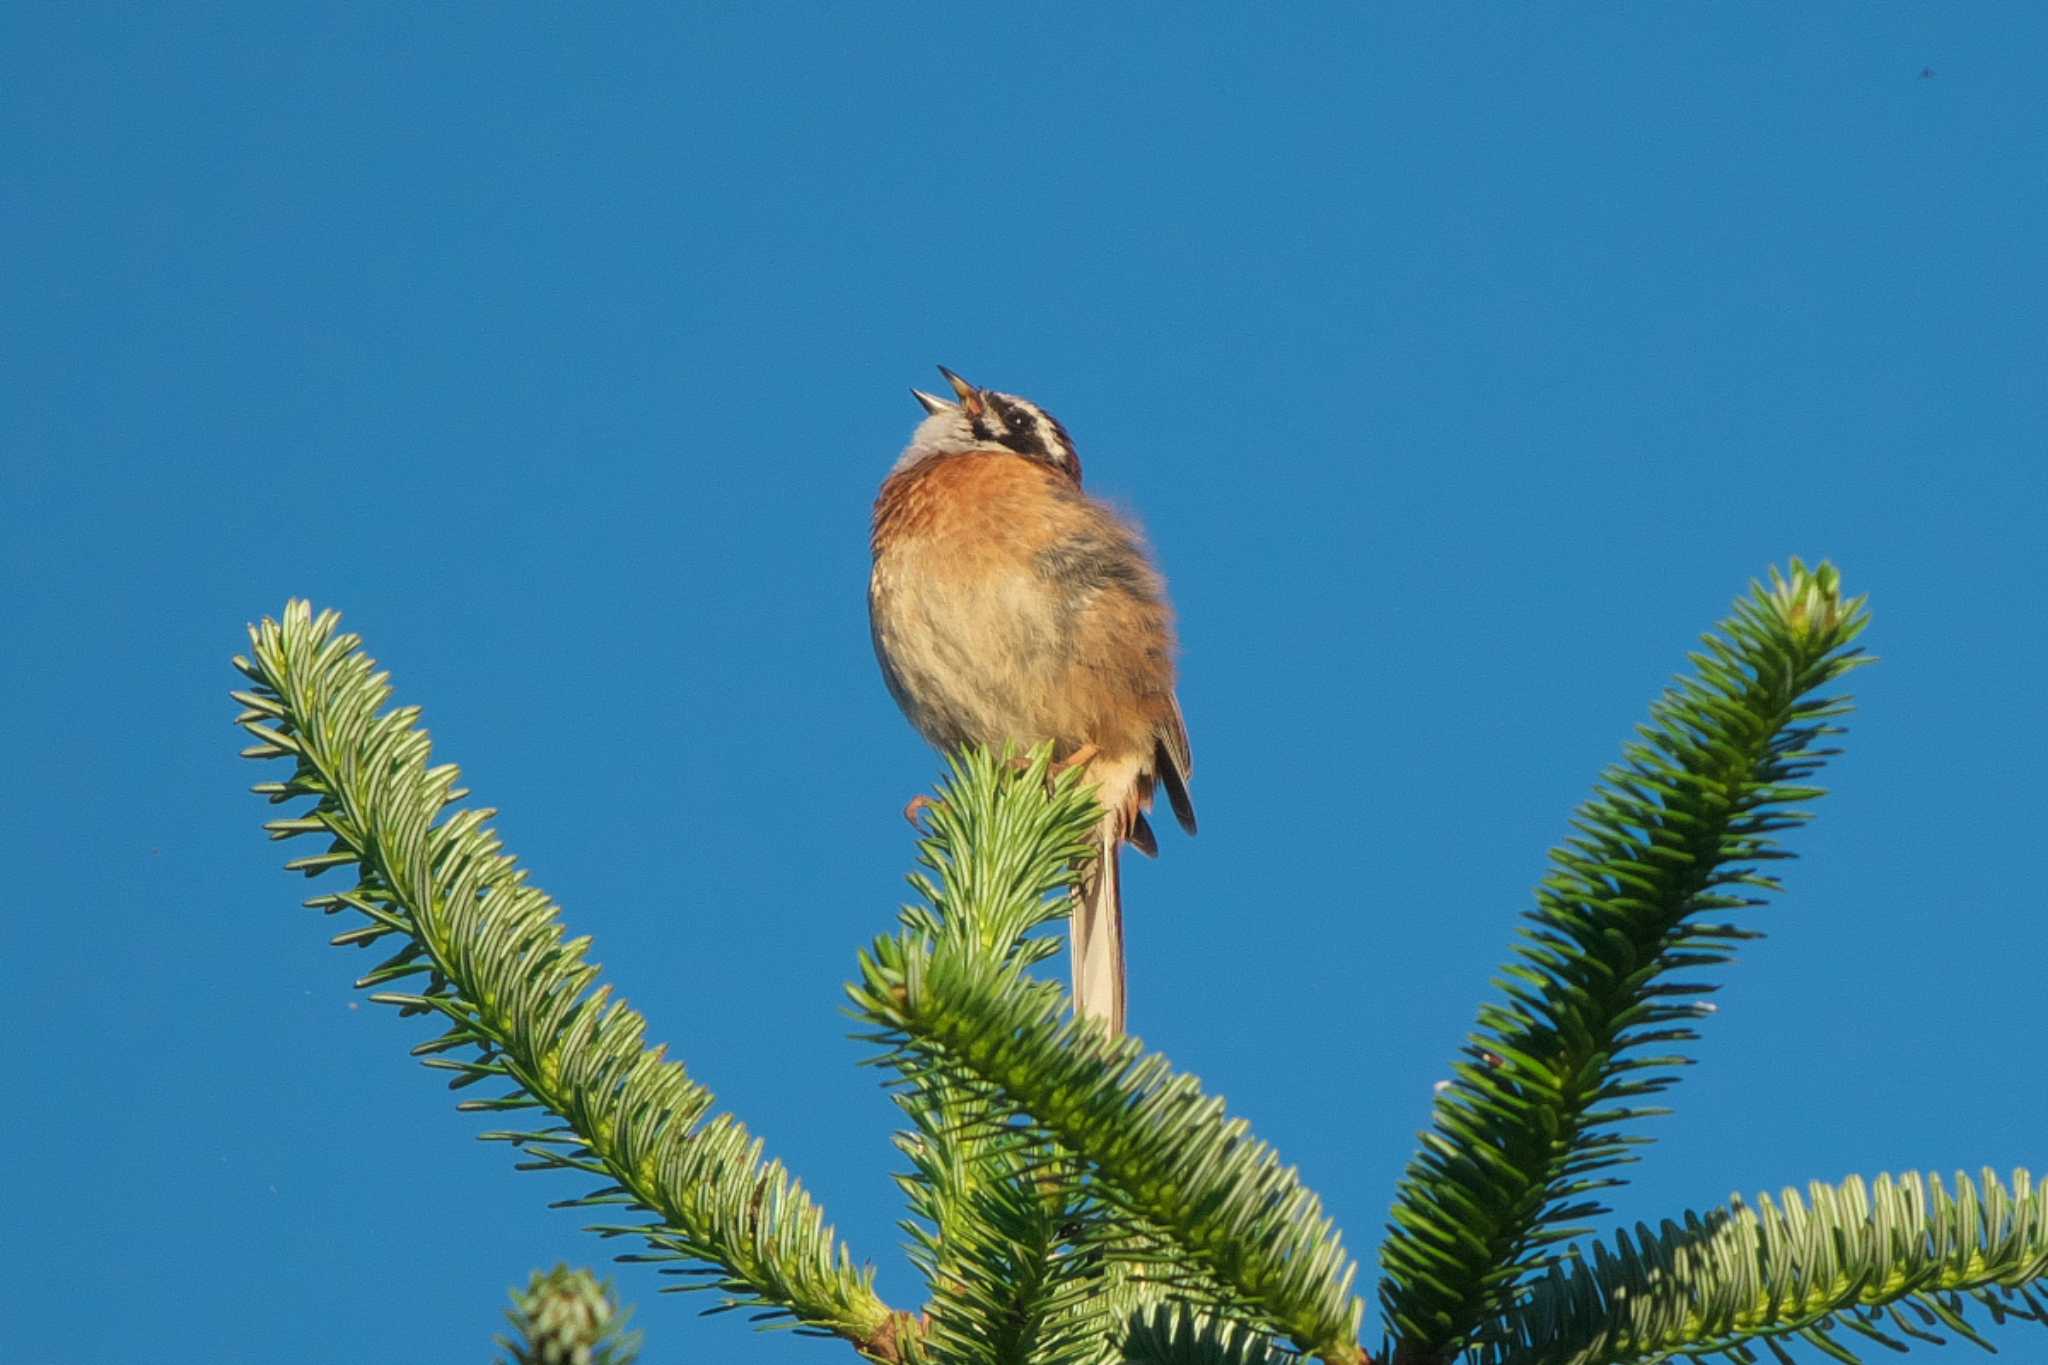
568	1317
1003	1246
1674	833
1159	1150
1027	1259
1011	1283
1176	1334
1000	852
485	954
1902	1258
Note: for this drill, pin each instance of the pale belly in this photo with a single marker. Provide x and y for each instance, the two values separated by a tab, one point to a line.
981	659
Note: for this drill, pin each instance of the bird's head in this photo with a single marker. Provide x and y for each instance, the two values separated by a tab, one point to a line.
982	419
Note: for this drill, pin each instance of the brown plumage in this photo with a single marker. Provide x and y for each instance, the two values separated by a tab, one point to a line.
1009	606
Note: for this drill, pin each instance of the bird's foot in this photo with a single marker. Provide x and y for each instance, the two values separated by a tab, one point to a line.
916	808
1081	757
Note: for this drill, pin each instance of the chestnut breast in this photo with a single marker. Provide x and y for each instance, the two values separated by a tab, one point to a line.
1007	605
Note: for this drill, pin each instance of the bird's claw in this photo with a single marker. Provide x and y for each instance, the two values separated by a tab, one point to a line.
1082	756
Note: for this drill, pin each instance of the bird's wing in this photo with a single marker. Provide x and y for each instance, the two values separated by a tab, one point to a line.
1176	766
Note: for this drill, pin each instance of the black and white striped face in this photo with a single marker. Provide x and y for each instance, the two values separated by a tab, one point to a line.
983	418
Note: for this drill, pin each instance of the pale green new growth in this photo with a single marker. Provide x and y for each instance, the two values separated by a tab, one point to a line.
1076	1200
567	1317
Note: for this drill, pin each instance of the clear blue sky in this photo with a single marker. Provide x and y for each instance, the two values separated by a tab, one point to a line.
1462	362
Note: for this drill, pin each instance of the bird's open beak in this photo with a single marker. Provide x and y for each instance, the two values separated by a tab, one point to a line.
970	397
931	402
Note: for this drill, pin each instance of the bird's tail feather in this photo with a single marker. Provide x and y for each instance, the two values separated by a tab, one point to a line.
1096	930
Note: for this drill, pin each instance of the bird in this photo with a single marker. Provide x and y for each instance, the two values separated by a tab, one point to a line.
1010	607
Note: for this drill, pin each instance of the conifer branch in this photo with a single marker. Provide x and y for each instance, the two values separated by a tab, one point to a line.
1893	1262
1003	1248
1674	833
1159	1150
1028	1260
485	954
1178	1334
1073	1199
568	1317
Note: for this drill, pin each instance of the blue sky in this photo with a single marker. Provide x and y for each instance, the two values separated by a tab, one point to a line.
1462	362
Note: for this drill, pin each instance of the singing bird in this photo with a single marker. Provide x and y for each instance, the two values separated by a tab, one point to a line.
1009	606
